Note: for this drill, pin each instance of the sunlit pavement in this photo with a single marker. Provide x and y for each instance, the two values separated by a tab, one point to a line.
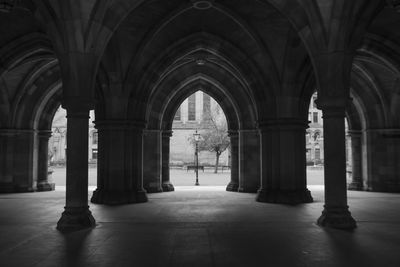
181	177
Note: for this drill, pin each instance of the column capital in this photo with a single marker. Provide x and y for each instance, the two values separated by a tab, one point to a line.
45	134
333	103
354	133
78	105
8	132
136	124
167	133
247	131
110	124
152	131
333	112
14	132
233	133
77	113
283	123
119	124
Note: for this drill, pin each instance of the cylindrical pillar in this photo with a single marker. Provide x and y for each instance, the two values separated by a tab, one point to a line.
117	183
77	214
152	163
356	161
336	213
249	160
135	145
7	137
234	147
43	160
25	160
283	162
165	149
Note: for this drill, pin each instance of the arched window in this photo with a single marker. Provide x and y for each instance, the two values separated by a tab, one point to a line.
317	135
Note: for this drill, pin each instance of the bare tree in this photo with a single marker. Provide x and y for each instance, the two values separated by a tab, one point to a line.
215	138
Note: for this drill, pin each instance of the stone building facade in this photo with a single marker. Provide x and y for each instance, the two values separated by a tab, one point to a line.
58	139
190	116
315	135
193	114
186	122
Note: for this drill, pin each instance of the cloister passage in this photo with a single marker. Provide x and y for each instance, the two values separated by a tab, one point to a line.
134	62
202	117
239	115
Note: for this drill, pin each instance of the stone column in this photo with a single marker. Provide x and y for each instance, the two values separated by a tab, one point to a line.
25	160
77	214
356	160
152	161
165	142
7	137
115	179
283	162
234	183
43	154
381	162
135	159
336	211
249	161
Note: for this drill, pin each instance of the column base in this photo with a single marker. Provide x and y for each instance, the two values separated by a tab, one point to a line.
337	217
232	187
247	190
356	186
386	186
167	187
73	219
153	189
291	197
45	186
101	196
23	189
7	187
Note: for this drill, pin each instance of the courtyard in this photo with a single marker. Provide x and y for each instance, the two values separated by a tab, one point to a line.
181	177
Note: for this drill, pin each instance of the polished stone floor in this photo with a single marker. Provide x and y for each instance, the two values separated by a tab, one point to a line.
199	226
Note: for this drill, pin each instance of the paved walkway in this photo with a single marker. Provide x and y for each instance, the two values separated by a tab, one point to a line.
199	226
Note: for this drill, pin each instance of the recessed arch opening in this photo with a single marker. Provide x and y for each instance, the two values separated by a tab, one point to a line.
57	148
164	109
208	157
358	120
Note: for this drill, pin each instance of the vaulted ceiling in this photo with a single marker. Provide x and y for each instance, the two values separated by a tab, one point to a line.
263	48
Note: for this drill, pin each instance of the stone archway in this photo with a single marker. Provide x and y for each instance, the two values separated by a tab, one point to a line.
160	126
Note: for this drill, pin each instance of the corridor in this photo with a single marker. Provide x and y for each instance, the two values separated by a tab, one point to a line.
200	226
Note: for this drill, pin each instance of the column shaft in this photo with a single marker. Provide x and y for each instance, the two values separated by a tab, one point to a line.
165	149
24	162
118	171
283	162
356	161
249	161
381	160
136	137
152	163
77	214
336	213
234	147
7	138
43	170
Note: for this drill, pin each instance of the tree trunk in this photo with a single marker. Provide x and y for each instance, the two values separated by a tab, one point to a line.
216	162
